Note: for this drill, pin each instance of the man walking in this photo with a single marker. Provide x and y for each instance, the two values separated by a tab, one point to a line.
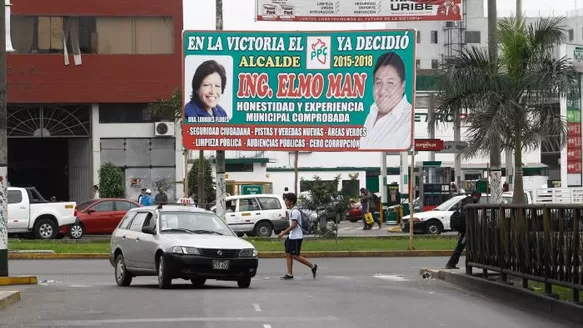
161	197
293	244
461	244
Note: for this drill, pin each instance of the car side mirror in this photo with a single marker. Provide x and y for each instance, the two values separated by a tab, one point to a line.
149	230
90	211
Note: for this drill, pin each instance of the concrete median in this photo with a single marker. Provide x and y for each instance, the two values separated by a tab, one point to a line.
8	297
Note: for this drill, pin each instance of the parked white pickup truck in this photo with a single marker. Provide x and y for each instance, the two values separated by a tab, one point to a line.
30	213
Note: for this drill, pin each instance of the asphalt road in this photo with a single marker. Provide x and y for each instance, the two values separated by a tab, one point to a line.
348	293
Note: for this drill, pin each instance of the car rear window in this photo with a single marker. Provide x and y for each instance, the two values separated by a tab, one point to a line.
269	203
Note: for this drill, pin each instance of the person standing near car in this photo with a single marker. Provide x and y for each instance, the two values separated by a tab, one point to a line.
293	243
147	198
367	205
461	244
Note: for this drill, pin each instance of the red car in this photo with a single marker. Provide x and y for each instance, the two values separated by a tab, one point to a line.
98	216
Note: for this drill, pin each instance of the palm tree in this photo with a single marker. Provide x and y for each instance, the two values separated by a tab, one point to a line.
171	108
509	97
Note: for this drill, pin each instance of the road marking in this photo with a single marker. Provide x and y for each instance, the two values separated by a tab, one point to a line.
266	326
390	277
146	321
257	307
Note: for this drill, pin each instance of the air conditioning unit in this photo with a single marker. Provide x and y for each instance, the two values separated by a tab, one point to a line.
164	129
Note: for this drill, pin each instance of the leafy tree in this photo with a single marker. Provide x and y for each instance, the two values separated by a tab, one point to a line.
171	109
209	184
324	195
168	108
111	181
509	98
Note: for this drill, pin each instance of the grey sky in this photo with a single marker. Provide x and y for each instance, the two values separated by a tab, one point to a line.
239	15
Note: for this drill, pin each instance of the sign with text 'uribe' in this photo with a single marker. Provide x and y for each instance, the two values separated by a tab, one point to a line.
359	10
291	91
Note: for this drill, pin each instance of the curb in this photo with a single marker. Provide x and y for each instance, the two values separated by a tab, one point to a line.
18	280
264	255
518	297
8	297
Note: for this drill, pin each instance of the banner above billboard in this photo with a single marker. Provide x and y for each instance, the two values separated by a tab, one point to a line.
291	91
358	10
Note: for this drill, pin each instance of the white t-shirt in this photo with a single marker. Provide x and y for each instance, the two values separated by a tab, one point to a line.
393	131
296	233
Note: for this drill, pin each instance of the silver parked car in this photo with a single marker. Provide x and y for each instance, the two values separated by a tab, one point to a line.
173	241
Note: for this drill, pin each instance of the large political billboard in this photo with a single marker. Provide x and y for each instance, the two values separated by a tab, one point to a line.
358	10
299	91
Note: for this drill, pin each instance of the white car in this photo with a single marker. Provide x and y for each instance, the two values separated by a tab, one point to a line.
256	215
436	221
179	242
30	213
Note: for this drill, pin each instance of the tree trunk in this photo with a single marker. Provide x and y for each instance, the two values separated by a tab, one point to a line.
518	195
457	164
495	160
297	154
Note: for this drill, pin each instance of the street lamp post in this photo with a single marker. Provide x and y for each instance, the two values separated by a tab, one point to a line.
6	41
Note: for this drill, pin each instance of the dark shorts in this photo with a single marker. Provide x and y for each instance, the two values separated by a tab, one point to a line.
293	246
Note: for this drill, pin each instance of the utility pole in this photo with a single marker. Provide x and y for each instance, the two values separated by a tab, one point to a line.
495	156
3	149
221	184
519	8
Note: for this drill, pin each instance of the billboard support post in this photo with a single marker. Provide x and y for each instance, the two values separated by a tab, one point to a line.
411	200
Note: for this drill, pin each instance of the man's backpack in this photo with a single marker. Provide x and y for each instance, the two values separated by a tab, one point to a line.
457	221
305	224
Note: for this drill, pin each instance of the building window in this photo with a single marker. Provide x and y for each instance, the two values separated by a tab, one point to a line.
434	63
418	63
125	113
434	37
93	35
239	167
571	34
418	36
473	37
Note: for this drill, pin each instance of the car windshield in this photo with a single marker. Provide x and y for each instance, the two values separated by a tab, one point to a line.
193	222
84	205
447	204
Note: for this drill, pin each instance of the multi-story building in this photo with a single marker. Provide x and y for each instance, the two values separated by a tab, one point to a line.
79	84
436	41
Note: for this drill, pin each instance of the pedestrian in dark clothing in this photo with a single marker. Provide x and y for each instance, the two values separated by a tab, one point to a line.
368	205
461	244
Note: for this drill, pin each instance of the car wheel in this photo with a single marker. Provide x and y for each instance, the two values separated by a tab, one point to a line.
433	228
76	231
45	229
244	282
353	220
164	280
263	229
122	276
198	282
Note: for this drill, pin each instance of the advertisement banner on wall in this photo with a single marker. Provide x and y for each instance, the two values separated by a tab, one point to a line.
358	10
574	145
291	91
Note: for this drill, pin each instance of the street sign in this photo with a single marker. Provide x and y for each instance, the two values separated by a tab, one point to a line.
454	147
428	144
431	163
251	189
358	11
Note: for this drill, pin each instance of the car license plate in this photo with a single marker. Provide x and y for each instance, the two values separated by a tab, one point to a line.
221	265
